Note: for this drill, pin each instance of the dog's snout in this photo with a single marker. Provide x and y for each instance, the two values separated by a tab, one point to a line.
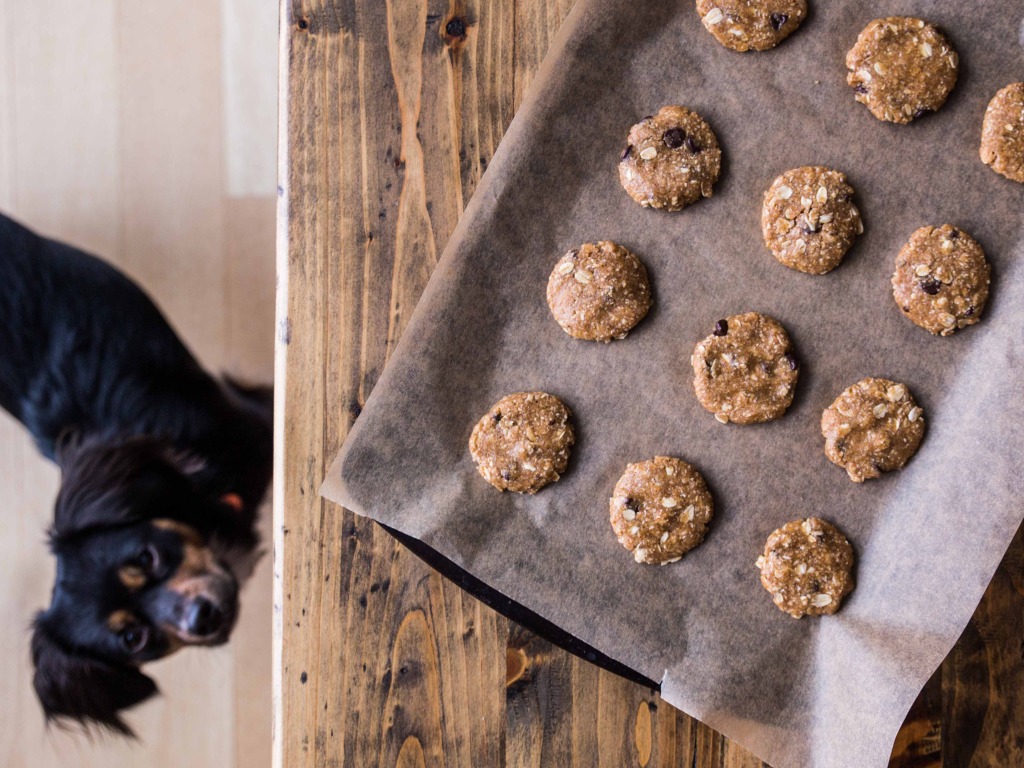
204	618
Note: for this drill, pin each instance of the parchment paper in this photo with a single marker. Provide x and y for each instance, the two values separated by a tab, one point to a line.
815	692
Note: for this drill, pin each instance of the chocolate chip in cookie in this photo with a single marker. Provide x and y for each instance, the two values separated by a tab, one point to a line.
942	279
901	68
523	442
809	220
746	370
660	509
875	426
599	291
751	25
807	567
672	159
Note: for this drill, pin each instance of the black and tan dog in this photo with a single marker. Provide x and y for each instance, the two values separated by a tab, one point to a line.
162	470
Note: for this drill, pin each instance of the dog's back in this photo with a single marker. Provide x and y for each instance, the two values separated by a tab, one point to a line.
83	347
84	351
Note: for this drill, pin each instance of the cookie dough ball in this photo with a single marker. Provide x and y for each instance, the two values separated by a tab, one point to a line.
745	371
873	427
745	25
671	159
1002	133
660	509
807	566
524	442
901	68
941	279
809	220
599	292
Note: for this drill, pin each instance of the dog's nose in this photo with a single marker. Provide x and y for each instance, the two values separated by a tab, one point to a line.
204	618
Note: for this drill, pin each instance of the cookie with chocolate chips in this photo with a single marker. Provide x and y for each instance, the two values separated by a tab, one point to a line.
941	280
807	567
809	220
751	25
746	370
671	159
875	426
1002	133
599	292
660	509
523	442
901	68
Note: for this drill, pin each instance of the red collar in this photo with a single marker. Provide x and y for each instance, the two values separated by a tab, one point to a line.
233	500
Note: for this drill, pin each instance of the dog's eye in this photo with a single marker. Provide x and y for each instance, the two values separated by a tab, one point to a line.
147	559
134	639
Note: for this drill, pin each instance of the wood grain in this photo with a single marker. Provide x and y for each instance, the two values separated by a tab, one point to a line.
111	138
393	110
983	677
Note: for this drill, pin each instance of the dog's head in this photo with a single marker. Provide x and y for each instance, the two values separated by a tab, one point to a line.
139	575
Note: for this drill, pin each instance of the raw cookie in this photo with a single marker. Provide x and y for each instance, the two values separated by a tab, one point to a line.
743	25
599	292
901	68
808	219
671	159
1002	133
523	443
941	279
745	371
807	567
660	509
873	427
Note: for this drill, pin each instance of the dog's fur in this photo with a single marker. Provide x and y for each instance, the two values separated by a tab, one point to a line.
162	470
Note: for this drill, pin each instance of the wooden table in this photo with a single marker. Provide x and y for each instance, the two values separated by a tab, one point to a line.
391	110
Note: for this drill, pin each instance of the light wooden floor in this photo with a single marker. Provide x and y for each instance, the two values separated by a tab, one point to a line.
144	131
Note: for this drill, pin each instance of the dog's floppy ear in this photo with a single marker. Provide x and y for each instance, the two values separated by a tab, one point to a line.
107	483
86	690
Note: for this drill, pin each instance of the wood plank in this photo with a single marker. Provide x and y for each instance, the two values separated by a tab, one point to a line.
983	677
919	742
65	183
103	95
174	236
352	705
677	737
30	485
249	101
173	222
536	25
249	239
483	86
298	386
63	98
539	685
7	90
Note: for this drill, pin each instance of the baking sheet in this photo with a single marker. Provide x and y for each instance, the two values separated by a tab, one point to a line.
815	692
